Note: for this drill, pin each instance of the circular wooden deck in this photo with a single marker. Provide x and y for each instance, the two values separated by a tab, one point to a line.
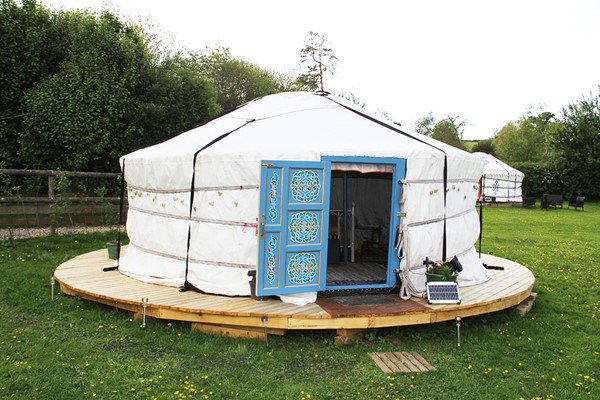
83	276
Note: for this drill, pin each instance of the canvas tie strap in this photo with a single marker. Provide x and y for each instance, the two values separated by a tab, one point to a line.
187	285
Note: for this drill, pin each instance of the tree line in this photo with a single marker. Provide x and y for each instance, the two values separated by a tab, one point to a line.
79	89
557	153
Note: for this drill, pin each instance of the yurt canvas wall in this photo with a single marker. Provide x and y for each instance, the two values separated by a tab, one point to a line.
200	204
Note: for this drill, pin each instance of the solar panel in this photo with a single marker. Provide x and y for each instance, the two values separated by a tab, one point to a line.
443	293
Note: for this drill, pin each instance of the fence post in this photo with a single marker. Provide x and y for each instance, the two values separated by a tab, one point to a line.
51	197
51	187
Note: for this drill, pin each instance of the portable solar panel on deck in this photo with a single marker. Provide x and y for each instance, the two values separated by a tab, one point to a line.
443	293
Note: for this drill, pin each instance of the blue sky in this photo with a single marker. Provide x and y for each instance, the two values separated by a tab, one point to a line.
487	61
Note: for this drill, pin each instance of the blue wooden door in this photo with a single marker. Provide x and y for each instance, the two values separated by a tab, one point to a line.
293	227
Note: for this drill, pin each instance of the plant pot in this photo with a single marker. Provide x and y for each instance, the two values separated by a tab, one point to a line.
112	250
440	278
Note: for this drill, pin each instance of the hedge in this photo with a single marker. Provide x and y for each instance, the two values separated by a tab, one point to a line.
546	177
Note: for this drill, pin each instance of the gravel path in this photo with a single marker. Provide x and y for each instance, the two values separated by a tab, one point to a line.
24	233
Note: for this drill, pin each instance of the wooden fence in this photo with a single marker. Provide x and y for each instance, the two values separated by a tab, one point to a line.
58	209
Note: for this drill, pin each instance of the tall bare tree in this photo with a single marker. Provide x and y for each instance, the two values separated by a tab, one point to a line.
319	59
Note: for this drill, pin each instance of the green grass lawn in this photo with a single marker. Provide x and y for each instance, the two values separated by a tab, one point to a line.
72	349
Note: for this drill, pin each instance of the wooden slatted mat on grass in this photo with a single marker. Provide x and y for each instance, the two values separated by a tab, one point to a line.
402	361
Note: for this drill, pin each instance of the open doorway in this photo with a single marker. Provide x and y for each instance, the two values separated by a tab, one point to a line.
360	212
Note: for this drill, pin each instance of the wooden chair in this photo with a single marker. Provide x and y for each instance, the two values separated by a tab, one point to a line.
577	202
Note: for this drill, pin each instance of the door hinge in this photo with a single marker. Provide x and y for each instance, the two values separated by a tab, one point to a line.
261	227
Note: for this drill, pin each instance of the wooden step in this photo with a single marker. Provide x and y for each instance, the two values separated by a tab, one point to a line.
402	361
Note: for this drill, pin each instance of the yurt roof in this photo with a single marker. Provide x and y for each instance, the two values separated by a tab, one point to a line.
296	125
496	168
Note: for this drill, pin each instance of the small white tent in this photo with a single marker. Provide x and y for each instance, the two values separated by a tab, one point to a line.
254	190
500	182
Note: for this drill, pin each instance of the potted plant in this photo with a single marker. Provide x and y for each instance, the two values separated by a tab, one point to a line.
112	248
111	219
444	271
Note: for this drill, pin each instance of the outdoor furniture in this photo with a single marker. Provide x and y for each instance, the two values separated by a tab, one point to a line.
527	201
577	202
553	200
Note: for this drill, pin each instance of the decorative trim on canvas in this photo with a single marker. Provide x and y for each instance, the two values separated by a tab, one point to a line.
195	219
433	221
193	260
198	189
457	180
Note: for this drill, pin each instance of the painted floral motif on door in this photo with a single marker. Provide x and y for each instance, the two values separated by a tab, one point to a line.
305	186
271	258
273	196
302	268
304	227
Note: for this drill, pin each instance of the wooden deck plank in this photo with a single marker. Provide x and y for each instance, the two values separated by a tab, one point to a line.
516	283
236	331
491	294
272	308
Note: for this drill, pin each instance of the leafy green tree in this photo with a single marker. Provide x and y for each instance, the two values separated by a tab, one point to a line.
525	139
576	143
509	142
172	97
319	59
106	95
450	131
32	46
237	81
424	125
485	146
78	118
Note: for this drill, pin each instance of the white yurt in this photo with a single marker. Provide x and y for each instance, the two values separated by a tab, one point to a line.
500	182
307	192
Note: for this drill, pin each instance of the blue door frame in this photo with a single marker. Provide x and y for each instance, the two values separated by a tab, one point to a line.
398	174
294	225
